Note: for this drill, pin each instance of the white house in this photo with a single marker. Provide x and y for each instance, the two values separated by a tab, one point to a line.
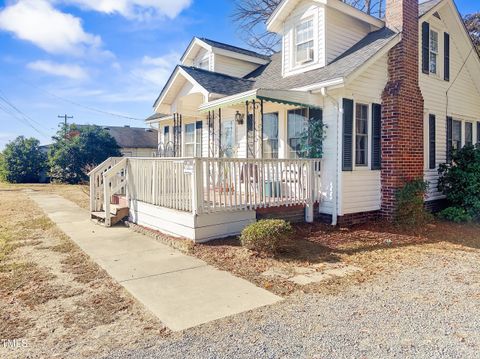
395	95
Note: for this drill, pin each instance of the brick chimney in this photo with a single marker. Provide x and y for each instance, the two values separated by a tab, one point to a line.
402	106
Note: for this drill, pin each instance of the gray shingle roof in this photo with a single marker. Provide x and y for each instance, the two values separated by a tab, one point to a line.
270	76
134	137
156	116
426	6
215	82
239	50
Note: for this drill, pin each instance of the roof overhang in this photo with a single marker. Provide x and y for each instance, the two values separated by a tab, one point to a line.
196	44
283	10
285	97
178	72
160	119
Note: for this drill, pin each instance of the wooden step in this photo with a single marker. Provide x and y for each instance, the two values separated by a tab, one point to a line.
117	214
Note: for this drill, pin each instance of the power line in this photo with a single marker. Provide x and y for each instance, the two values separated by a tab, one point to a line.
6	100
14	115
93	109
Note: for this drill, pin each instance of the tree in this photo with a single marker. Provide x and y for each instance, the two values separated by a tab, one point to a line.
82	148
472	23
22	161
251	16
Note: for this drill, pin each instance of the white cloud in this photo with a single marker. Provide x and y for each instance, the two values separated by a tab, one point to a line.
74	72
135	9
46	27
156	70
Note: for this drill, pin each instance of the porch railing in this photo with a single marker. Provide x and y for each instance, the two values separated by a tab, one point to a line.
209	185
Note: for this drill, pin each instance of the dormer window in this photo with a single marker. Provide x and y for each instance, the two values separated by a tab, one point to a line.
304	42
433	51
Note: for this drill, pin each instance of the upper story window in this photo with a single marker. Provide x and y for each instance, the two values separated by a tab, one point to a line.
304	42
433	51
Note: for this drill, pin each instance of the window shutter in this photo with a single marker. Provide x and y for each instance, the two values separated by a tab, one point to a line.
449	138
426	48
376	136
446	57
347	160
478	133
432	125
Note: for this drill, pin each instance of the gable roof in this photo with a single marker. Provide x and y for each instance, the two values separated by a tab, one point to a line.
269	76
218	83
425	7
133	137
239	50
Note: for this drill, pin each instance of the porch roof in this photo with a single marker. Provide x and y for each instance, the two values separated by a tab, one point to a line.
286	97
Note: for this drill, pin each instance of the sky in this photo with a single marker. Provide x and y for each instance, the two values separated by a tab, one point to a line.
103	62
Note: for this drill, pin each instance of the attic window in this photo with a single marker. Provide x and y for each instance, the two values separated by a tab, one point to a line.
304	42
437	15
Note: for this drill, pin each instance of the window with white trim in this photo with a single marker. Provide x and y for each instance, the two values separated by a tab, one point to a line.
189	140
456	135
304	42
227	139
270	135
297	124
468	133
361	135
433	51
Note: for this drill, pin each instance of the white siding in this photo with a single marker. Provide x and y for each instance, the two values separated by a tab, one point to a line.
342	32
233	67
361	188
463	102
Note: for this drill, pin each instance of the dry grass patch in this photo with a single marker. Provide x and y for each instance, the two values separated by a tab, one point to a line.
376	248
54	297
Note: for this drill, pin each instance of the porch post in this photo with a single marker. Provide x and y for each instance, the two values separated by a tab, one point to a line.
180	137
197	187
209	134
174	135
219	131
310	192
261	128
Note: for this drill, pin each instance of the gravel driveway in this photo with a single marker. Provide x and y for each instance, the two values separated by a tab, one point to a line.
427	311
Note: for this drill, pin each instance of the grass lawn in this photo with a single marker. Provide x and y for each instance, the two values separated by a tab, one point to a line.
52	295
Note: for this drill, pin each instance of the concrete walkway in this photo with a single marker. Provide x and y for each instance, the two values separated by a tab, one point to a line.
182	291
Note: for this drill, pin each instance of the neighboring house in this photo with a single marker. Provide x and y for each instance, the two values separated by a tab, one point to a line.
134	141
396	96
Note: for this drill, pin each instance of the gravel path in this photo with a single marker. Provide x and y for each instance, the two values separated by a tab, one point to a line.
429	311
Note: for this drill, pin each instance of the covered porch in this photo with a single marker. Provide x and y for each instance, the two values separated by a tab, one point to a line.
202	198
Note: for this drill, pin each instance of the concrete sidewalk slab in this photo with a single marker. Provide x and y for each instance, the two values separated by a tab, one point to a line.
182	291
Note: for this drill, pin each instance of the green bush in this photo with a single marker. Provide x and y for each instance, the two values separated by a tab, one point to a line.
266	236
460	182
455	214
22	161
410	209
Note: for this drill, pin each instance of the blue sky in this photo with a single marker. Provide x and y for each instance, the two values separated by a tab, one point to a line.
65	56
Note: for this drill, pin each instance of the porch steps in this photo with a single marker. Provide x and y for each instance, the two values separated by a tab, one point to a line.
117	214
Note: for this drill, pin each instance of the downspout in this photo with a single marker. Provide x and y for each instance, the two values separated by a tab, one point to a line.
336	104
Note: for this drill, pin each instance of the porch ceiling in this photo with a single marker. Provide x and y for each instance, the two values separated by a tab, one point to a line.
286	97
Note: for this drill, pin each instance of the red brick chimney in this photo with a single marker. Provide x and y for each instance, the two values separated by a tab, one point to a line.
402	106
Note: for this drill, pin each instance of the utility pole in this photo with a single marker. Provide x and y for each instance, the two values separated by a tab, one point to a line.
65	118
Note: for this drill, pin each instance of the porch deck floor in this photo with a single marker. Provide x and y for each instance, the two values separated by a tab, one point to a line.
182	291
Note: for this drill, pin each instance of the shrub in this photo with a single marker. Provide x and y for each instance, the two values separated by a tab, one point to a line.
22	161
455	214
460	182
266	236
410	204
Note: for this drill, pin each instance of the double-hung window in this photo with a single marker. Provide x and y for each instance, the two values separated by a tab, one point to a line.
304	42
361	135
297	125
270	135
189	140
468	133
433	51
456	135
193	139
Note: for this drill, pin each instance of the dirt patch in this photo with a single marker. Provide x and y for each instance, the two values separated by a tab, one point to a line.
376	248
55	298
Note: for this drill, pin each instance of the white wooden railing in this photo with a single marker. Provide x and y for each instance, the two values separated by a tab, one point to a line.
96	183
209	185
